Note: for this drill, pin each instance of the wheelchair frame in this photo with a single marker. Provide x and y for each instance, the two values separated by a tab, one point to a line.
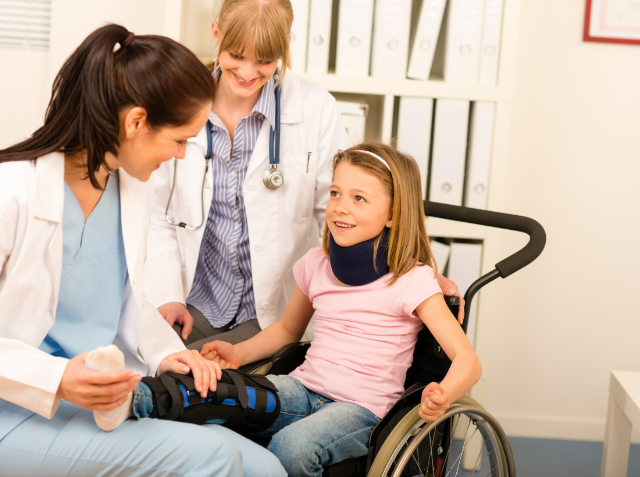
430	363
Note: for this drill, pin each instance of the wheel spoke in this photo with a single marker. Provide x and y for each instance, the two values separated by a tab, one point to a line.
475	466
432	436
459	458
455	426
491	471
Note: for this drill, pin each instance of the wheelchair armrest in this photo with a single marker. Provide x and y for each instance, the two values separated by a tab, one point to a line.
289	357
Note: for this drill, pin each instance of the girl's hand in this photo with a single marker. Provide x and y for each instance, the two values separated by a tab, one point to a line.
95	391
222	353
449	288
205	373
435	401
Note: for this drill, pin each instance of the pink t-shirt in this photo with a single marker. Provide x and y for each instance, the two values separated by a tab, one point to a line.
364	336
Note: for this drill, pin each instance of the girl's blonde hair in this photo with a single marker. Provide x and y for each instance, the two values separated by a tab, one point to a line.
408	245
263	24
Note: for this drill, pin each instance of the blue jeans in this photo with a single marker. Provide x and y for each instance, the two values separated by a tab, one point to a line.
313	431
71	445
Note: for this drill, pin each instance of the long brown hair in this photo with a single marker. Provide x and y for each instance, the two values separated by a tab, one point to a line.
96	83
264	24
408	241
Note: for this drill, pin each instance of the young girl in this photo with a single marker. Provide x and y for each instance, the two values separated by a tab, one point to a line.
372	286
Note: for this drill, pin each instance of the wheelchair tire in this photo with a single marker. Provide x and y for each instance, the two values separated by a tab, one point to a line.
261	367
413	437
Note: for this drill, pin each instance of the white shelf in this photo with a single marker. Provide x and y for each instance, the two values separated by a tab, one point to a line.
446	228
433	88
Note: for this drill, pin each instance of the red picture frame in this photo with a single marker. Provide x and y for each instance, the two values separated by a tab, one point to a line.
602	39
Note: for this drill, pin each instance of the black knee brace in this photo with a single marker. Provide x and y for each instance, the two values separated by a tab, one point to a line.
248	402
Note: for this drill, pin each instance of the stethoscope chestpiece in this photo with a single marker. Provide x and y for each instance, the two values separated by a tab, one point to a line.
273	178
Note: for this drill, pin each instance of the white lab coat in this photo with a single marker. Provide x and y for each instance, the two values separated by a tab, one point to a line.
31	207
283	223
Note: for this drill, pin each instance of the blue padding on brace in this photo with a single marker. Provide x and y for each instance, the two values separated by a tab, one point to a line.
185	395
271	402
251	392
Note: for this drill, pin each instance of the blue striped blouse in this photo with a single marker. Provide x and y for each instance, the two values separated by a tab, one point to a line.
223	286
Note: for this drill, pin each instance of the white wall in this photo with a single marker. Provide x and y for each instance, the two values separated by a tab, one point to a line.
24	93
557	328
27	75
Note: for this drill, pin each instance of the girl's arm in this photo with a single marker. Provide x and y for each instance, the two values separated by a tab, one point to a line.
266	343
465	368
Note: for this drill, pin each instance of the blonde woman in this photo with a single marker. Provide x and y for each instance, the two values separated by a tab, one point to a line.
224	268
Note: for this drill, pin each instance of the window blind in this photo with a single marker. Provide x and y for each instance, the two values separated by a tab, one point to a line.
25	23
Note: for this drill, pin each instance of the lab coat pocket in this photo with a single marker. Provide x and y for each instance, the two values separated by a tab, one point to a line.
299	186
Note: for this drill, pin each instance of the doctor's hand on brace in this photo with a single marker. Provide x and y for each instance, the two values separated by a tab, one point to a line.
177	313
449	288
93	390
206	374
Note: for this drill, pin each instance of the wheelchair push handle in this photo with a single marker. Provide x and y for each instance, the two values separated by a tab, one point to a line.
513	263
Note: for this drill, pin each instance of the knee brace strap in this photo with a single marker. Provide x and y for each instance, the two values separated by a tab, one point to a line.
248	402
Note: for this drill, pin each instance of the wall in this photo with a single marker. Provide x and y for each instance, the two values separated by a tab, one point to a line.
550	334
26	90
24	93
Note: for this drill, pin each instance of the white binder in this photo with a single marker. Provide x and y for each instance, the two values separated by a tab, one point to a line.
319	36
414	132
462	41
299	31
465	262
489	54
390	48
449	151
355	23
354	118
479	160
440	254
426	38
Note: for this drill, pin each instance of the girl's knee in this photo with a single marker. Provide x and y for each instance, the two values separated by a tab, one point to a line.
298	456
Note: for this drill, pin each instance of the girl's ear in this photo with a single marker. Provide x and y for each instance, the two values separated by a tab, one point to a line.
389	222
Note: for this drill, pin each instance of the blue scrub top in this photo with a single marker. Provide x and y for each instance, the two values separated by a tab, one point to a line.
94	271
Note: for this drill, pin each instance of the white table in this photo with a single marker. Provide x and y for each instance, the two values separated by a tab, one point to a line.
623	413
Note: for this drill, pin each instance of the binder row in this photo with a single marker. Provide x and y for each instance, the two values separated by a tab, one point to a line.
457	40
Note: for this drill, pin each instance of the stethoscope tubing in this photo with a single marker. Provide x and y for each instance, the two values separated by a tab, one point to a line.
274	161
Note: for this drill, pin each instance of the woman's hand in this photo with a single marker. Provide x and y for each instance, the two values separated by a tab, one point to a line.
448	287
95	391
222	353
435	401
206	374
178	313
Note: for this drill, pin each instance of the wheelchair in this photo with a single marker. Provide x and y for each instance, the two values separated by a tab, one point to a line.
402	444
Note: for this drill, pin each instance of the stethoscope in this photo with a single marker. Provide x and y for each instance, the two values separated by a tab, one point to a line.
273	178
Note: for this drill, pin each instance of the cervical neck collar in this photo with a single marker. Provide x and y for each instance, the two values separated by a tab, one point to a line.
354	265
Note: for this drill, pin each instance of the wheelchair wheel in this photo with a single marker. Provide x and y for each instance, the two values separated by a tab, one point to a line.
418	448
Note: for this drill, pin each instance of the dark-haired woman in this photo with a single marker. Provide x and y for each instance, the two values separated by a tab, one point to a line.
74	211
